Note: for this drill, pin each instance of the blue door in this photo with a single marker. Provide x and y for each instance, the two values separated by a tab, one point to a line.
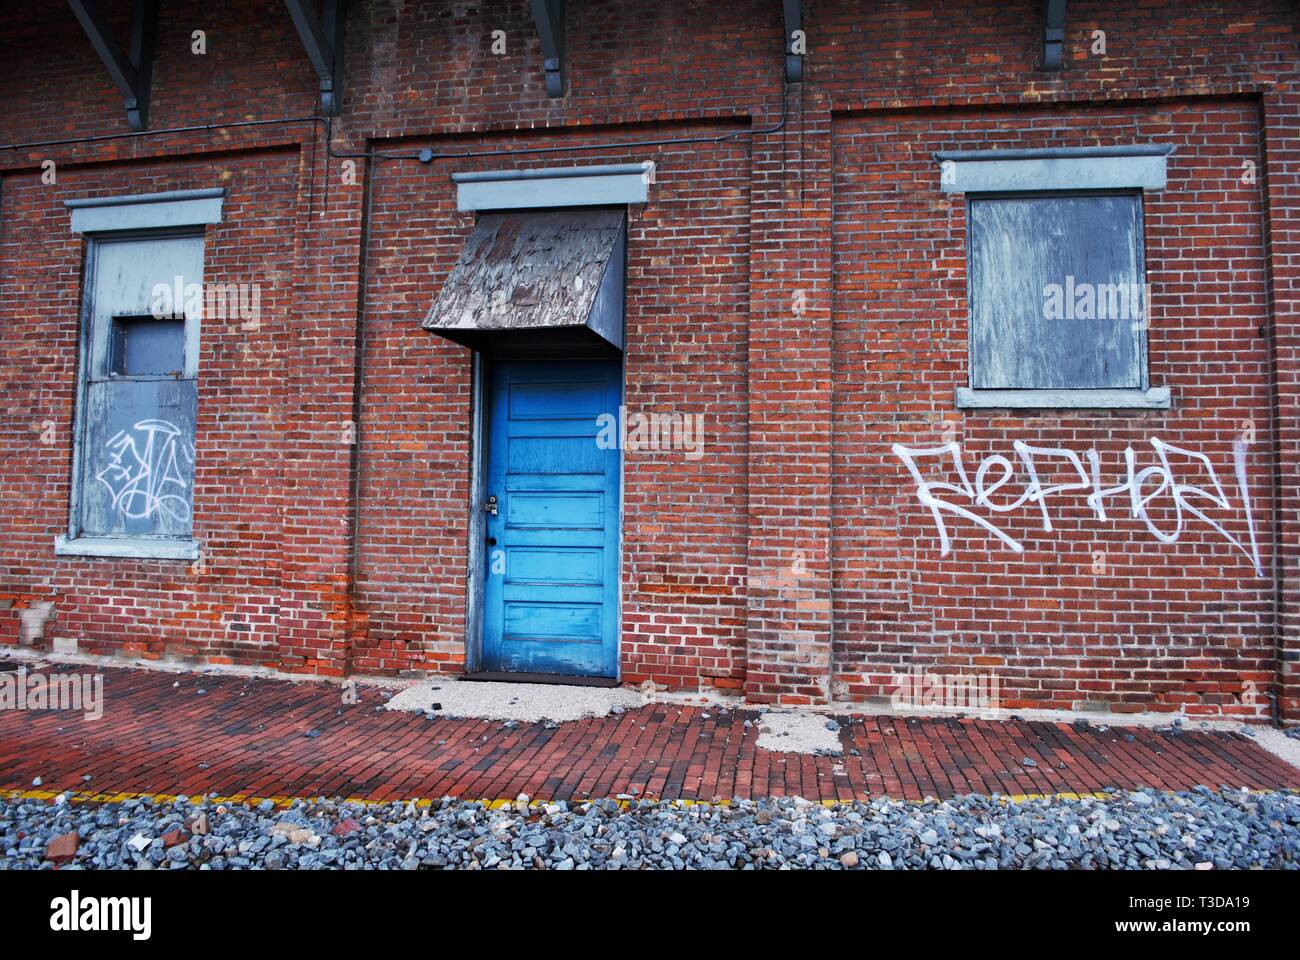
551	585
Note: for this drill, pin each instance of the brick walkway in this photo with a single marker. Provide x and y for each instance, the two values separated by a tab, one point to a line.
250	737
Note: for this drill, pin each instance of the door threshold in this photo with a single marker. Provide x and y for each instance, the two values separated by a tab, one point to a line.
558	679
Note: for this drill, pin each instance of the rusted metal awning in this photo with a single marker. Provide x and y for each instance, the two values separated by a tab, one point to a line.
537	282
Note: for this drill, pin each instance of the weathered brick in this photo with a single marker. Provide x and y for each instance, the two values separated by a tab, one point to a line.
793	560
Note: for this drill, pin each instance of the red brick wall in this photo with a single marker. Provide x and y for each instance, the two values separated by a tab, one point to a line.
684	525
1150	634
1094	609
792	560
226	606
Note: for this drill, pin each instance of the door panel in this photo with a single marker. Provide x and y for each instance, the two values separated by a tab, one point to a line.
551	585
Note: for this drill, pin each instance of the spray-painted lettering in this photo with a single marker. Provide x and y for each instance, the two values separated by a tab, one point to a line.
1163	481
143	473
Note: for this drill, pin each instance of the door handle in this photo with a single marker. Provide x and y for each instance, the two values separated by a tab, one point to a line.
490	506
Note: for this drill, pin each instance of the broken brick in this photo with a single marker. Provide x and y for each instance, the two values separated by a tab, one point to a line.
62	848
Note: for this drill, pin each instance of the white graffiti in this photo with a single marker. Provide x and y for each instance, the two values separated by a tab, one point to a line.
996	471
143	473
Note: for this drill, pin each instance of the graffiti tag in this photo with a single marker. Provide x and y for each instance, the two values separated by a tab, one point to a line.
143	474
1136	491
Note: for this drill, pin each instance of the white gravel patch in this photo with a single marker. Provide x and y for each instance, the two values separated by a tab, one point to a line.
799	733
523	702
1276	742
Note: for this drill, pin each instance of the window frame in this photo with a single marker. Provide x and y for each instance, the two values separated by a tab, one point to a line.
104	221
1063	172
93	366
1065	393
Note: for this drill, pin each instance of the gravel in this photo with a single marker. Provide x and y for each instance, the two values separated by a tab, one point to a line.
1199	829
520	702
1281	743
799	733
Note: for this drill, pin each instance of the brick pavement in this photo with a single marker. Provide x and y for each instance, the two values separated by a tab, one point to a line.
261	737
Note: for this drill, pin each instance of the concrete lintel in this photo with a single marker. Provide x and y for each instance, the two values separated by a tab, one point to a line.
1140	167
146	211
126	548
1156	398
554	187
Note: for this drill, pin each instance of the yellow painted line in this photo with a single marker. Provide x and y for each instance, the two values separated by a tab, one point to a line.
499	803
81	796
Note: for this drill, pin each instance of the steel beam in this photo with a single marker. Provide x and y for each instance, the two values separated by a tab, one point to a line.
322	38
792	10
131	71
548	15
1053	33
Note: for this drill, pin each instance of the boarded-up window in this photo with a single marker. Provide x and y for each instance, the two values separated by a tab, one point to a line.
144	346
139	395
1057	296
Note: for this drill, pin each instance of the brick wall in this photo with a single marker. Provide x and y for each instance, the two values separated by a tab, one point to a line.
226	606
1094	609
804	289
684	525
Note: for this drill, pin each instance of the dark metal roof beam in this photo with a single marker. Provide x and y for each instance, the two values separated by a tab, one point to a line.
793	50
1053	33
322	38
549	17
132	71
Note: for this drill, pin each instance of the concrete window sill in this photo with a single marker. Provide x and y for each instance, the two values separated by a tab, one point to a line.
1156	398
126	548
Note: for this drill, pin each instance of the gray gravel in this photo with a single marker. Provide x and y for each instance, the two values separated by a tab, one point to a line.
1139	830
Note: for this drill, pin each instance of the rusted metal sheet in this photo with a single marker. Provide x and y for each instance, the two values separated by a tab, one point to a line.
529	274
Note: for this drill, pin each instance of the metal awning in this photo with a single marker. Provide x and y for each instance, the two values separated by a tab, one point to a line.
537	283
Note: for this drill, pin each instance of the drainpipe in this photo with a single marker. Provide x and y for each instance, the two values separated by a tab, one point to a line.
358	374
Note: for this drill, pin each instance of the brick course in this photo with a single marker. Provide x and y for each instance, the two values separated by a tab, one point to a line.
804	289
248	738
